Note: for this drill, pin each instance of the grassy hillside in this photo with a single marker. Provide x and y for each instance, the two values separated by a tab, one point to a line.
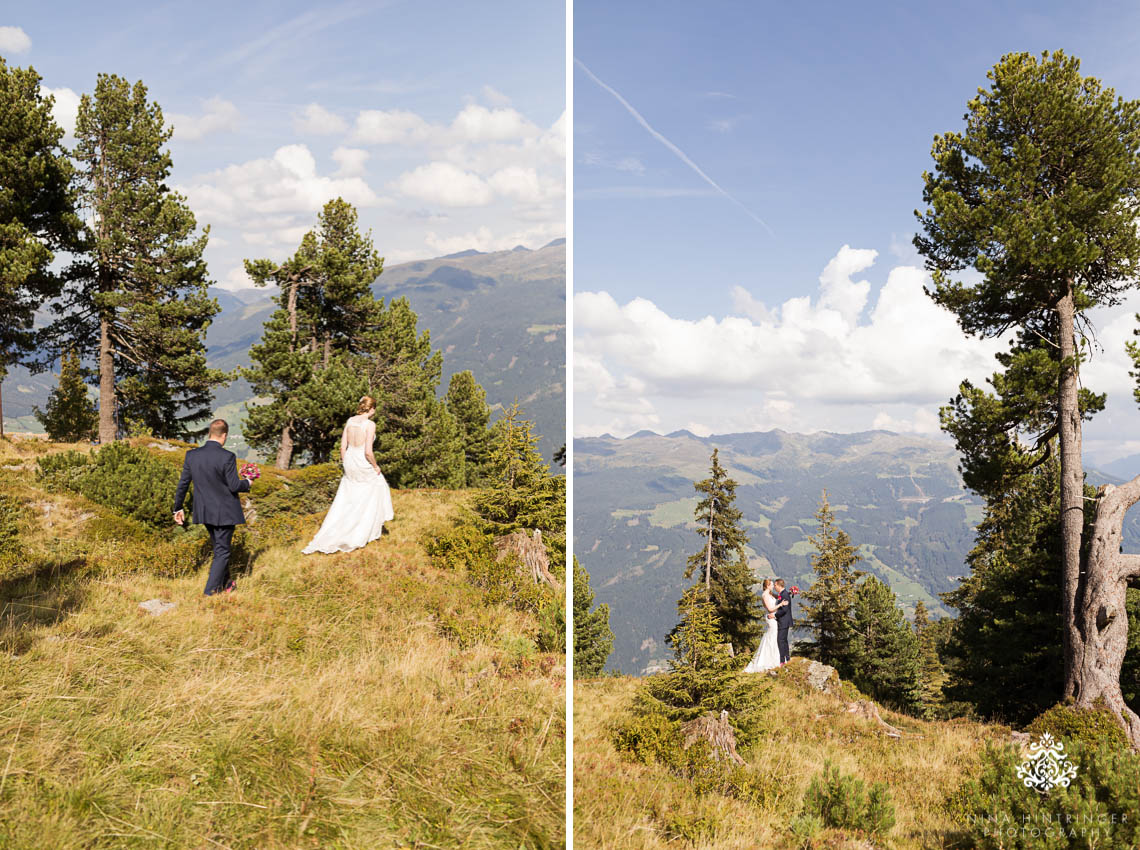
633	806
361	700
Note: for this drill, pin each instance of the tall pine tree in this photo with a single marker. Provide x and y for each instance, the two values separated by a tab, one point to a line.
467	403
70	415
829	602
722	564
37	211
593	638
928	698
136	302
884	649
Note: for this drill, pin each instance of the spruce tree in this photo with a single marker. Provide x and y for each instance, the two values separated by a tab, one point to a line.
928	698
467	403
722	564
136	302
37	212
1038	196
522	493
827	605
884	649
593	638
70	415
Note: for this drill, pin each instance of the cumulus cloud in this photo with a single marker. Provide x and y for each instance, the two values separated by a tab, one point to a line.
445	184
495	97
351	161
65	109
905	354
218	115
393	127
14	40
316	120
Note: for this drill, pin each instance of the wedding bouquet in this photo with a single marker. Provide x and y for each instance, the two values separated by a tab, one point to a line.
250	472
795	590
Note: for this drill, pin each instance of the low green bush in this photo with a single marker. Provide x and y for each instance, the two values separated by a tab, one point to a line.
843	802
1086	726
307	491
11	515
1097	809
648	738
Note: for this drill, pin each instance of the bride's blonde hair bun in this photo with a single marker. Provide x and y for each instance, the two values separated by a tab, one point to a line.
367	403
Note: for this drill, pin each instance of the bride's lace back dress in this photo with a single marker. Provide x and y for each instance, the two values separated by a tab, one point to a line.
767	654
363	501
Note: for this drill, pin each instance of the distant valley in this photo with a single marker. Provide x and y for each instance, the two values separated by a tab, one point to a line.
899	497
502	315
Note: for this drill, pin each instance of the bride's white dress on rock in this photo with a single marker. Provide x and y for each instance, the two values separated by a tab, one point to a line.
363	501
768	653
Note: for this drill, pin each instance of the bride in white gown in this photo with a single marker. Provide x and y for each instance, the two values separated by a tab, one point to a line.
768	653
363	501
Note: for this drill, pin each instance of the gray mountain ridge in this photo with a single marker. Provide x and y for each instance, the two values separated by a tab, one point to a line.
500	314
899	496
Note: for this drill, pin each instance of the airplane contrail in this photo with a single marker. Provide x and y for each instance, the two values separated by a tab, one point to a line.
680	154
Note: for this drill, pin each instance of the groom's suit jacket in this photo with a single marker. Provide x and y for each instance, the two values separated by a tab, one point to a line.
213	470
784	615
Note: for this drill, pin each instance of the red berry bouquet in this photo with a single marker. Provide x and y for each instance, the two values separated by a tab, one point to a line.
795	590
250	472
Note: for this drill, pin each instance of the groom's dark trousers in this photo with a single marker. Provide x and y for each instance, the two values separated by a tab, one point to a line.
213	471
784	625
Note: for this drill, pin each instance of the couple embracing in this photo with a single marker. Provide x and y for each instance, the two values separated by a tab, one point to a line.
773	650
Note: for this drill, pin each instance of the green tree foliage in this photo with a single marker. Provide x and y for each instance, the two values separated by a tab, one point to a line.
928	699
884	656
136	301
593	638
703	676
11	547
70	415
1004	651
840	801
1039	197
37	215
828	603
729	577
467	403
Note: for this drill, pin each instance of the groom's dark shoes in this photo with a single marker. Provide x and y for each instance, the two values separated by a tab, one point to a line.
213	471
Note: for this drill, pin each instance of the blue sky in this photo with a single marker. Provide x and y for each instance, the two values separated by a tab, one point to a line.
818	120
443	122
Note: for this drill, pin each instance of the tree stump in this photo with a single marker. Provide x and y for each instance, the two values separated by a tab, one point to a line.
530	553
866	708
717	731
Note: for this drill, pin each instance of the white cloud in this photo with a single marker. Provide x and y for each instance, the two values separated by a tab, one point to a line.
317	120
484	239
924	421
395	127
14	40
65	109
495	97
445	184
218	115
904	359
350	160
480	124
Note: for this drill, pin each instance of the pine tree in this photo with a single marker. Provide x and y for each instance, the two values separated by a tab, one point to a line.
136	302
1037	196
884	655
593	638
467	403
70	415
703	676
722	564
829	602
523	494
311	363
928	697
37	214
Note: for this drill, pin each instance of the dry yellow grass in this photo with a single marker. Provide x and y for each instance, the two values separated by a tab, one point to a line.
321	705
619	804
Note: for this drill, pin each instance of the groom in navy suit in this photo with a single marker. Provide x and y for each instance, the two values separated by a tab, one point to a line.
783	619
213	470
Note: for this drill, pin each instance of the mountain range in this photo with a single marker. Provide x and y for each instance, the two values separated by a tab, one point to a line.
899	497
500	314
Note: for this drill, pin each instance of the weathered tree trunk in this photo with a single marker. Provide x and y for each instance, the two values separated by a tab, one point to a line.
717	731
2	405
708	550
107	430
285	450
1102	617
1072	490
